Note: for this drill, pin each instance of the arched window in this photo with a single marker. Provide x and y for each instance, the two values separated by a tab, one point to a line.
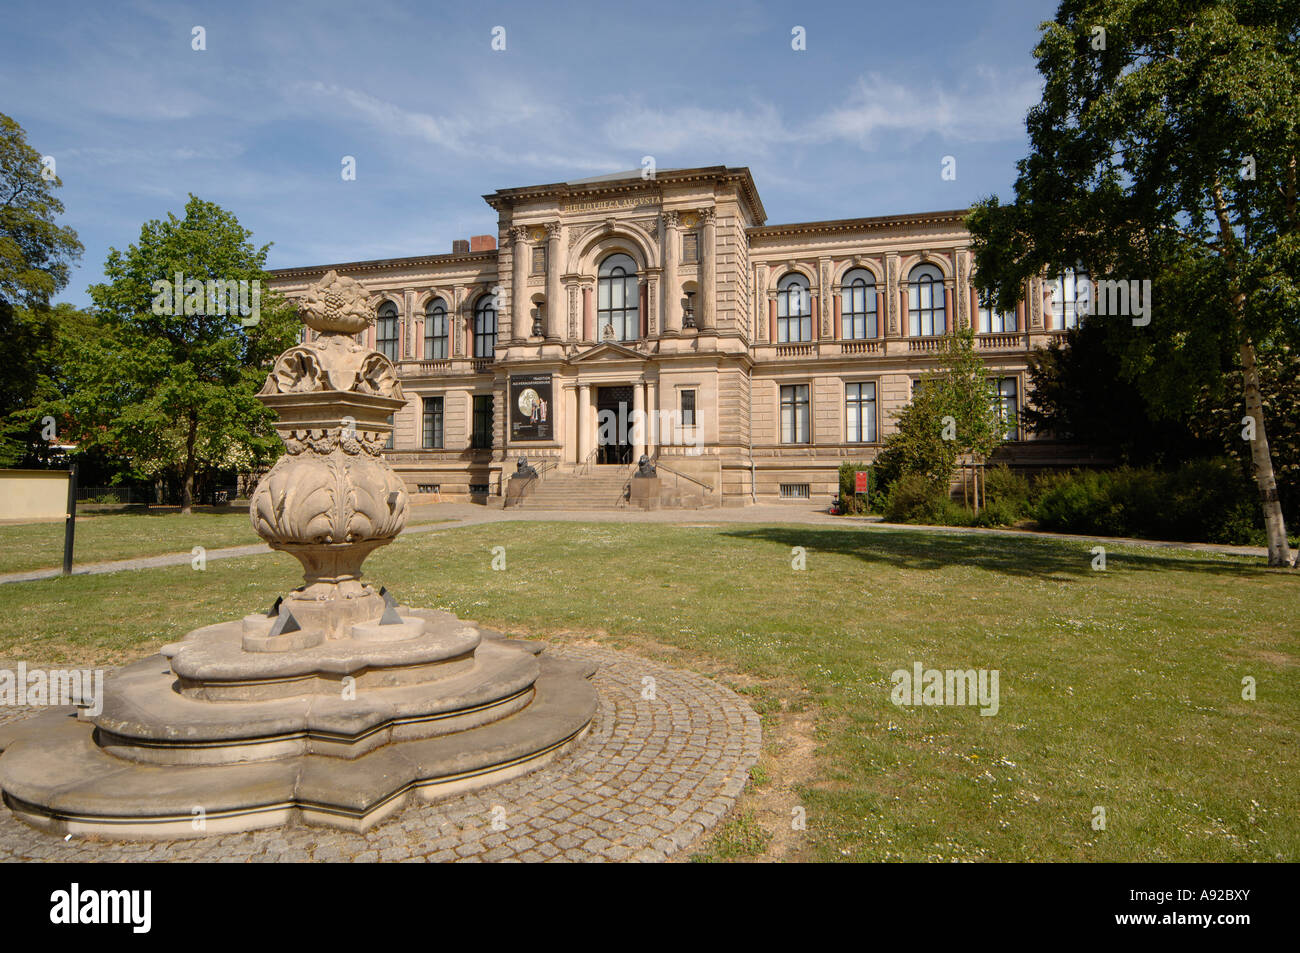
793	310
925	301
858	305
617	298
435	330
485	327
386	331
1071	298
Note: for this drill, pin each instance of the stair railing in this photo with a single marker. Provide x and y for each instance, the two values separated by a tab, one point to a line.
684	476
584	467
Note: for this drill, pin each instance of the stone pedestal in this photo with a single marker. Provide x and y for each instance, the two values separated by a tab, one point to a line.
644	492
337	704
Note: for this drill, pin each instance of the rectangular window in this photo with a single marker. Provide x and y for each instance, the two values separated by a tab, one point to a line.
795	491
690	248
479	489
539	259
688	408
1003	391
794	414
860	412
1071	297
433	423
996	322
429	488
481	436
388	444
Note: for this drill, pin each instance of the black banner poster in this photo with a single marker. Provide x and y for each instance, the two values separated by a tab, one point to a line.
531	407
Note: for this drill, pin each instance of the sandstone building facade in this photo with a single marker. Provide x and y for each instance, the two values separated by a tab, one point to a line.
758	356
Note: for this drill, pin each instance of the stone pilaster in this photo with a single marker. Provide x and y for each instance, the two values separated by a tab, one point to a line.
672	318
893	320
824	297
708	269
554	328
519	317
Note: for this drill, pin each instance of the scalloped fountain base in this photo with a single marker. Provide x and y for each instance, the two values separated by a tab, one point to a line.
208	738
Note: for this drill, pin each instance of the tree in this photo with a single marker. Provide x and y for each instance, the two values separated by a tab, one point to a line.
171	382
952	414
35	258
965	393
1165	149
1077	391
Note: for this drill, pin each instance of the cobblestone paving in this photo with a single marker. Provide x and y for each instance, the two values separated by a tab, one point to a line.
647	781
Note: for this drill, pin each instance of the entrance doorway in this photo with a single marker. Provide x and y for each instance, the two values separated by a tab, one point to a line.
613	433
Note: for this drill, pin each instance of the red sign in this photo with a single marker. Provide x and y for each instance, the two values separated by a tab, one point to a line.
861	478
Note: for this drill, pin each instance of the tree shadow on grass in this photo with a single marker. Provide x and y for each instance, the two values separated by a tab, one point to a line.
1013	556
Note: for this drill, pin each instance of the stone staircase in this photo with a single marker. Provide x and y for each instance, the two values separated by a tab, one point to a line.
600	488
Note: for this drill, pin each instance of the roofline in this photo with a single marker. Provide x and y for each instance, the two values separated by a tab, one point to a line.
874	222
504	197
379	264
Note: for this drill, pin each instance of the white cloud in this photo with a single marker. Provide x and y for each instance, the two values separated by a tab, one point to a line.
988	107
513	130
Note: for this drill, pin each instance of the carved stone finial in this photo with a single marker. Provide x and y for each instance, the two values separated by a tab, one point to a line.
336	304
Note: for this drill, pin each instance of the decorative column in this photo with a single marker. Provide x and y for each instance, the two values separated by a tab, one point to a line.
588	317
948	314
839	318
760	295
408	324
583	422
453	322
771	318
708	271
639	421
652	412
672	318
553	329
825	294
891	317
519	319
332	498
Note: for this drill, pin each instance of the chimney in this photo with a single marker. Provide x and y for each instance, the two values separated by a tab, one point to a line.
459	247
482	243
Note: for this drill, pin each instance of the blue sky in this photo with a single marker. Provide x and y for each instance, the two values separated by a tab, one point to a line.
856	124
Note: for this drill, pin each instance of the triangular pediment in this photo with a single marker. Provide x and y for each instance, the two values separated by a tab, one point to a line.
608	351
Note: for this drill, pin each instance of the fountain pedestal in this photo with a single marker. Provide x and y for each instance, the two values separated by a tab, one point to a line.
339	704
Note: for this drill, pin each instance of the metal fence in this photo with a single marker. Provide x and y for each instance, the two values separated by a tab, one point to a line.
212	496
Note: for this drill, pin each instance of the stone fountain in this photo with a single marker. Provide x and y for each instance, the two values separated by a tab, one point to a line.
339	703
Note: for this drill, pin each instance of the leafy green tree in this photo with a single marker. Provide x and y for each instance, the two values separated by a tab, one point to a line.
952	414
170	384
1078	391
35	257
1165	149
964	390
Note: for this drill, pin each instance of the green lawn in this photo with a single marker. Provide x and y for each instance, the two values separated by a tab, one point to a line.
1119	689
108	536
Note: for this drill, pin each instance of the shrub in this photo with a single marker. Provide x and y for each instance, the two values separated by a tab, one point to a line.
914	498
1202	501
850	500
